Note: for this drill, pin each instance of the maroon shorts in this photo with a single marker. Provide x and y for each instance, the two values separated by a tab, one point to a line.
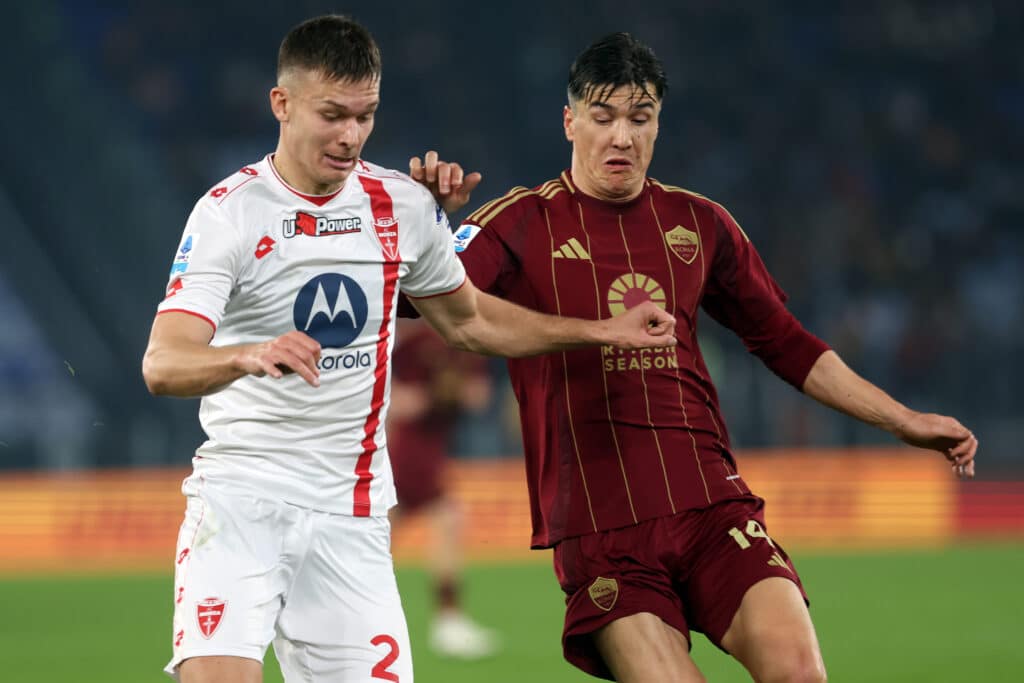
691	569
419	472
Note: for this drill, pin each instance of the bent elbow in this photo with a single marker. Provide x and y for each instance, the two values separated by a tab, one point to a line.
155	379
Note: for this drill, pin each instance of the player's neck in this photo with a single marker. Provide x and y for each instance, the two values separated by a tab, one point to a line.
291	173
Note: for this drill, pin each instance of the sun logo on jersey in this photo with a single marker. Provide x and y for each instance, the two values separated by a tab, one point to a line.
332	309
632	289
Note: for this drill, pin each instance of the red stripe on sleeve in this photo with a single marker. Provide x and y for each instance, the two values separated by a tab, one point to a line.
182	310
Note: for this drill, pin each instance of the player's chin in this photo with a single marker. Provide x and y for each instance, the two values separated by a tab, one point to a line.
619	185
334	176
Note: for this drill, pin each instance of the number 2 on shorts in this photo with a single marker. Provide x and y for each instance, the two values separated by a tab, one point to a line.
380	669
754	530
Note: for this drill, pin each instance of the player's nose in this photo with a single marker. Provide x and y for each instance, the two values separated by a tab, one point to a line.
348	133
622	136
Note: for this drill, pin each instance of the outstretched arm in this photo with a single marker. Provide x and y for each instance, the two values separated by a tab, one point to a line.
834	384
472	320
180	362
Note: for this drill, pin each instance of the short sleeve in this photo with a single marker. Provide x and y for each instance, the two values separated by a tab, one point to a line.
436	270
206	265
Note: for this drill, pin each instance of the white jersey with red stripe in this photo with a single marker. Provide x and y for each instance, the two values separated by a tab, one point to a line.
259	259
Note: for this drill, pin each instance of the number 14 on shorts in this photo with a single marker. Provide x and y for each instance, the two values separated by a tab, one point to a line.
755	530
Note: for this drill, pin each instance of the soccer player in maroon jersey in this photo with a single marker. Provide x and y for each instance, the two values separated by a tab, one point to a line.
631	474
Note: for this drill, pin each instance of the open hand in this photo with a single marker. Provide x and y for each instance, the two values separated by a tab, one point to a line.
445	180
942	434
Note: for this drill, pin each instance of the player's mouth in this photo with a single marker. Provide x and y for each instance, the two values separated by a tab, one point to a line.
340	163
618	164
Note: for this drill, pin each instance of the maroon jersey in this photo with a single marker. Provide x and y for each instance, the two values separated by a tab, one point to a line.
613	437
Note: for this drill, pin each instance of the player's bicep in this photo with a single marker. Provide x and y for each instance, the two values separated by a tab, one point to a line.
176	328
449	313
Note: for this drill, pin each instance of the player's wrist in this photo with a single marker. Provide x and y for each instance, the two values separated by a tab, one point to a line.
897	422
240	360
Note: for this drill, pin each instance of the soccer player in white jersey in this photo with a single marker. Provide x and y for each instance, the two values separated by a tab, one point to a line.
280	313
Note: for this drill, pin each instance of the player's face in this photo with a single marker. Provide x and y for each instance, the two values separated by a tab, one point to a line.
324	125
612	142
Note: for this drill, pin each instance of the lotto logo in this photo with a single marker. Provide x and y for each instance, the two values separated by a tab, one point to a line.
264	247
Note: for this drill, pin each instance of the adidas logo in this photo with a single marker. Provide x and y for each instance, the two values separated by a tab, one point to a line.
777	561
571	249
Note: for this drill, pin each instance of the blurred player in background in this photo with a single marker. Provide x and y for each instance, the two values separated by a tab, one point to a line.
432	386
279	313
631	474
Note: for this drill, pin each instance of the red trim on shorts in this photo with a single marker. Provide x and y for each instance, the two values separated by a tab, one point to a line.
383	219
431	296
182	310
318	199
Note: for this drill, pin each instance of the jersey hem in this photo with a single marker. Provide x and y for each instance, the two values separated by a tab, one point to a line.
193	313
431	296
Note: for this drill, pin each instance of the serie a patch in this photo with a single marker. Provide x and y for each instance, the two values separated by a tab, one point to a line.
184	254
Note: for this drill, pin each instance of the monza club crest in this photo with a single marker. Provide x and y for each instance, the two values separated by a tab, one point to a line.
684	243
208	615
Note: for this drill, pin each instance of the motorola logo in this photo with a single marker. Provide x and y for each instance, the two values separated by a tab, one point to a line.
332	309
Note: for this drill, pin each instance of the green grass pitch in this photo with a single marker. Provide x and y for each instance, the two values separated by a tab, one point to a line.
930	617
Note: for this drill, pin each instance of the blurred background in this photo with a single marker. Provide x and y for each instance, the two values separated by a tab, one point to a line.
874	152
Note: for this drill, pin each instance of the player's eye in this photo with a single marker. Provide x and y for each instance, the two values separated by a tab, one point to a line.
365	118
329	116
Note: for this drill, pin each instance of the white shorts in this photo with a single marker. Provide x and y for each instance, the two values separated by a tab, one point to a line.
320	586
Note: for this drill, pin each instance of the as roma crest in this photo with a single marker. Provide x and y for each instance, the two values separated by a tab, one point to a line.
208	614
604	592
684	243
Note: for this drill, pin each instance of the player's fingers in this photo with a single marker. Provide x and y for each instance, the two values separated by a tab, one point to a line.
430	163
300	365
444	177
302	354
416	168
269	367
660	317
964	471
968	451
306	342
457	175
469	182
963	449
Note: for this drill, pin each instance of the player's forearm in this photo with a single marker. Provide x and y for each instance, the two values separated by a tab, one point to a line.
188	370
832	383
506	329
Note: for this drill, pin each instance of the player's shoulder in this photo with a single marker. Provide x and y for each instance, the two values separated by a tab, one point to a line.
225	194
406	194
674	194
395	181
519	201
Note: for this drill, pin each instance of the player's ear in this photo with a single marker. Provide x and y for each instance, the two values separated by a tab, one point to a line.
567	121
279	103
